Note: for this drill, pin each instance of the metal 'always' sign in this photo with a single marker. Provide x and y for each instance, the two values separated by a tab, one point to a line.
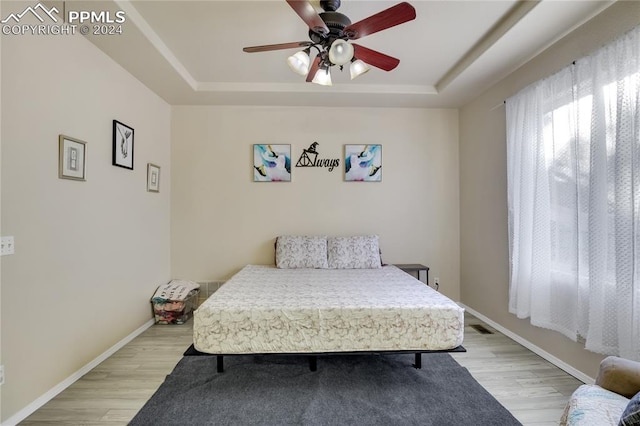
309	158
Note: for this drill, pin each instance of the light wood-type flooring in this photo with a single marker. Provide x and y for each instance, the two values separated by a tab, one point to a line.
531	388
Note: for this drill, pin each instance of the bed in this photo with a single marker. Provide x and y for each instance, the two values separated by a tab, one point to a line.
319	310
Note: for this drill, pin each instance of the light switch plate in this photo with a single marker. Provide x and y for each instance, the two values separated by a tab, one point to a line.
7	246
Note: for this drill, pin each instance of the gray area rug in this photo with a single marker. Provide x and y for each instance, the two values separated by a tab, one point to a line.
346	390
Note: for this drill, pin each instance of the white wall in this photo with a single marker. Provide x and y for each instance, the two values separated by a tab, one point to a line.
222	220
88	254
483	186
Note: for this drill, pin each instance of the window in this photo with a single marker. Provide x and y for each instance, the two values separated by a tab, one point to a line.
573	152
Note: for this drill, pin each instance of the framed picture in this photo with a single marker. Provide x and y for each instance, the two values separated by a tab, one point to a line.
271	163
72	158
122	145
153	178
363	163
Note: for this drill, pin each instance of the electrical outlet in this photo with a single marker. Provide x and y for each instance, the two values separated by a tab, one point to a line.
436	282
1	375
7	246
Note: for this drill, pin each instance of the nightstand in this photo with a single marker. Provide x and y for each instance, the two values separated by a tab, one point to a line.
415	269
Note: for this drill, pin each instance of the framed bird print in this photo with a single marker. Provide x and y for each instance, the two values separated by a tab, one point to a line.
363	163
271	163
122	145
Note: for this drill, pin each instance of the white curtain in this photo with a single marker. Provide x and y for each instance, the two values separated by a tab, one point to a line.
573	165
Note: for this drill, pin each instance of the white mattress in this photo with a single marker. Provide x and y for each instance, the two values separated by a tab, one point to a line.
263	309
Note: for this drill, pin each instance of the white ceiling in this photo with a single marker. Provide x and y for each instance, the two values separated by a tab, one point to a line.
190	52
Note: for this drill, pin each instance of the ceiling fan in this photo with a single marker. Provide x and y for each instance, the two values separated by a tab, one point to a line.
330	33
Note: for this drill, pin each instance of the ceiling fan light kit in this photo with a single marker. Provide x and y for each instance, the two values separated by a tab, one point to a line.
340	52
322	77
357	68
330	33
300	62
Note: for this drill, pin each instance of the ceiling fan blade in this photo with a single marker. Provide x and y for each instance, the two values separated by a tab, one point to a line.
375	58
309	16
314	68
395	15
281	46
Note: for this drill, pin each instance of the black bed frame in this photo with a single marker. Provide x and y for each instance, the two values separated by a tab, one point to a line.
313	357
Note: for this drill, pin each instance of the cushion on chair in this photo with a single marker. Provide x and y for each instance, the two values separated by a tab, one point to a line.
619	375
591	405
631	414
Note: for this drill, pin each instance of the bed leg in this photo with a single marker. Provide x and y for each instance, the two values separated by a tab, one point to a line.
220	363
418	362
313	363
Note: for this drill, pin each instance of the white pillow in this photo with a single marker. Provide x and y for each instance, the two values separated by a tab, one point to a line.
358	252
293	252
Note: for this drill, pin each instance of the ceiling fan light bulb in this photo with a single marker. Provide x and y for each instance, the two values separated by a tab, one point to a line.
322	77
340	52
300	62
357	68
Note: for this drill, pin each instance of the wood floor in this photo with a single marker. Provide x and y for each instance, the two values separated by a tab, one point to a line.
532	389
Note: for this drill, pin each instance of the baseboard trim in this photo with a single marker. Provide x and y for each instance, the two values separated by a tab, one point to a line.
533	348
51	393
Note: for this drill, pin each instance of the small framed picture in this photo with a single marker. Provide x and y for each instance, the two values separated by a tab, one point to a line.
153	178
363	163
72	155
122	145
271	163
